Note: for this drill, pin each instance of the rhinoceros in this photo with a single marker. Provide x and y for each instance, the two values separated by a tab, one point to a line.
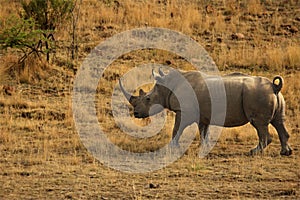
251	99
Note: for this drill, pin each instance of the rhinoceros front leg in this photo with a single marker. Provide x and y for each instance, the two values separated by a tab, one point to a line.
179	126
264	138
204	139
204	132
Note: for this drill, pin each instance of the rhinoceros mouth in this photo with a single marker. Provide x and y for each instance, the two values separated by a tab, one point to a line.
140	115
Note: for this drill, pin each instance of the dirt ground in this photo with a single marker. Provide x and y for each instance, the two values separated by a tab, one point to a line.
42	157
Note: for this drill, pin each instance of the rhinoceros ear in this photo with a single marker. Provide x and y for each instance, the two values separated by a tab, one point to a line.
142	93
157	76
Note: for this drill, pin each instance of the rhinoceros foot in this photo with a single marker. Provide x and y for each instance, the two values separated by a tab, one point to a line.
256	151
287	151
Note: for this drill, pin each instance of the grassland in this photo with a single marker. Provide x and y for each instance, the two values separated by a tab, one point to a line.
42	156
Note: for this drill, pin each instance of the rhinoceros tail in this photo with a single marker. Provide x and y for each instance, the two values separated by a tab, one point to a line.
277	84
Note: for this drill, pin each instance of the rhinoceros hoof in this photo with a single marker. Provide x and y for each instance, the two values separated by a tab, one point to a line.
255	151
286	152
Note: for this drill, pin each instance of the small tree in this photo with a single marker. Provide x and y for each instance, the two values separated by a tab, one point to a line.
75	17
48	15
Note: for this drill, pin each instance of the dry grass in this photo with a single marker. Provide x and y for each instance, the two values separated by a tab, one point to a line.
41	154
212	24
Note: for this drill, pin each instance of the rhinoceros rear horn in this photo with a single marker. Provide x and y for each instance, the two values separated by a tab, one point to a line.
126	94
161	73
156	76
277	84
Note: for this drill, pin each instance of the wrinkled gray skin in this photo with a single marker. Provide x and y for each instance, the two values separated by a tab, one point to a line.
249	99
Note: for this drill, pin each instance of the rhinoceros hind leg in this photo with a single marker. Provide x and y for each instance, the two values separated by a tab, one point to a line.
286	150
264	138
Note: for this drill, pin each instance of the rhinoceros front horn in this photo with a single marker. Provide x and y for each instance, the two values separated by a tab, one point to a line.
126	94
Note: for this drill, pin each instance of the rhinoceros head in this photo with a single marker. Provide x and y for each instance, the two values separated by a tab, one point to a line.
147	104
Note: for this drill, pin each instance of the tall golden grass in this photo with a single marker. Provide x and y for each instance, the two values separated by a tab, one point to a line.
210	23
266	43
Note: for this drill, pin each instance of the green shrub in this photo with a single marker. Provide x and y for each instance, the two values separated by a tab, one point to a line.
48	16
21	34
31	34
